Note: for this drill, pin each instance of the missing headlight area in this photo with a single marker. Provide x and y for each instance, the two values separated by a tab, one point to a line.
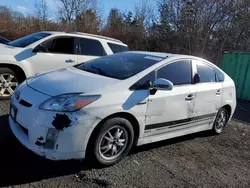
61	121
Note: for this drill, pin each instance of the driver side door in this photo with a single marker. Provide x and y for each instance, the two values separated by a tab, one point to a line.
170	110
60	52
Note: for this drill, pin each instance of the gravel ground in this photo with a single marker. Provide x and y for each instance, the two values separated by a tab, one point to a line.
198	160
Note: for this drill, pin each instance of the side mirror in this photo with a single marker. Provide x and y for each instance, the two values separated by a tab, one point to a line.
40	48
162	84
196	78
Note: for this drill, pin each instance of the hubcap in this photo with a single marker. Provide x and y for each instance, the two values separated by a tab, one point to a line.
8	84
113	143
221	120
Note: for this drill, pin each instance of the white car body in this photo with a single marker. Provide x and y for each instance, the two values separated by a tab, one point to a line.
32	63
46	51
184	110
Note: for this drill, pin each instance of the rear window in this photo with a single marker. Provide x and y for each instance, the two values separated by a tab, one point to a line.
91	47
120	66
116	48
29	39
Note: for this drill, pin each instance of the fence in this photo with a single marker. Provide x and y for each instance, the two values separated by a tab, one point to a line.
237	66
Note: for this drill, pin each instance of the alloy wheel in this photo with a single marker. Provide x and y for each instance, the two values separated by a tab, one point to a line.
221	120
113	143
8	83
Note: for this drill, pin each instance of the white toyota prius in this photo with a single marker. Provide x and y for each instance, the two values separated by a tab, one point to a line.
101	108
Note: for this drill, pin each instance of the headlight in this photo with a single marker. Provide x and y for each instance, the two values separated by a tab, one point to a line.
68	102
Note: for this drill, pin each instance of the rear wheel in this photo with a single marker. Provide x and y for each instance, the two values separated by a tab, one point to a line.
220	121
112	141
8	83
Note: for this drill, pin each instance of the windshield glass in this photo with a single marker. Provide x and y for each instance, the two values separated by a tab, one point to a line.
27	40
120	66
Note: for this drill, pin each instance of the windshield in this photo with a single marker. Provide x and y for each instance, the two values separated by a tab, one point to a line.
27	40
120	66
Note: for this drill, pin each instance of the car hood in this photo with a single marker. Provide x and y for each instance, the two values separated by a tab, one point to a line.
9	50
69	80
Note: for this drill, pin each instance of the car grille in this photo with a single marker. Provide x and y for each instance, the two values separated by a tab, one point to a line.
25	103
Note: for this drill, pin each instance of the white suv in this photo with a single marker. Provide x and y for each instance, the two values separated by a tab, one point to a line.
44	51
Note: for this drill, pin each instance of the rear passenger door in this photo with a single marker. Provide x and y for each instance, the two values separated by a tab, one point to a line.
89	49
208	98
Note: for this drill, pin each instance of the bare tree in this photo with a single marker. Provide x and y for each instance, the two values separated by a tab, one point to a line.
69	10
88	22
42	13
144	12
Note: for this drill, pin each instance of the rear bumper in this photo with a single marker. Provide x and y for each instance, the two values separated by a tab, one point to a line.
51	154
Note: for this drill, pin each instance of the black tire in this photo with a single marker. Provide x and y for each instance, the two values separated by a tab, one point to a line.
94	149
218	127
4	71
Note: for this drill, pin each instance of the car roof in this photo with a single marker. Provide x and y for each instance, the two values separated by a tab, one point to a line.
166	55
113	40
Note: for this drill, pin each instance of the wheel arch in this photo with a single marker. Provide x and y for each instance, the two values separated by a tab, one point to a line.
229	110
128	116
17	69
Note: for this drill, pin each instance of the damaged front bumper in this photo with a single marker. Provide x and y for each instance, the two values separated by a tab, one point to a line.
51	154
31	126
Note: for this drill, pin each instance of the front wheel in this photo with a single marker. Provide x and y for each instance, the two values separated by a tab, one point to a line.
8	83
220	121
112	141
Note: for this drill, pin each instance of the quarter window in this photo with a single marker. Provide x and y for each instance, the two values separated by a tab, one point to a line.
145	82
206	72
220	75
91	47
179	72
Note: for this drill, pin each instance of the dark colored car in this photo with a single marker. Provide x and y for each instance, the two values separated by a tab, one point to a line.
4	40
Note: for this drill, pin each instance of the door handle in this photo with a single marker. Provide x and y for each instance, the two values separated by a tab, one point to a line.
218	92
189	97
69	61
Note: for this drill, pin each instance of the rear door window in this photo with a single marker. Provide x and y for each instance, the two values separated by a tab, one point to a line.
206	72
117	48
91	47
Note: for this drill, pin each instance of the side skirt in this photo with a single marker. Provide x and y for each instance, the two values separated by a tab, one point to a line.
163	131
176	133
